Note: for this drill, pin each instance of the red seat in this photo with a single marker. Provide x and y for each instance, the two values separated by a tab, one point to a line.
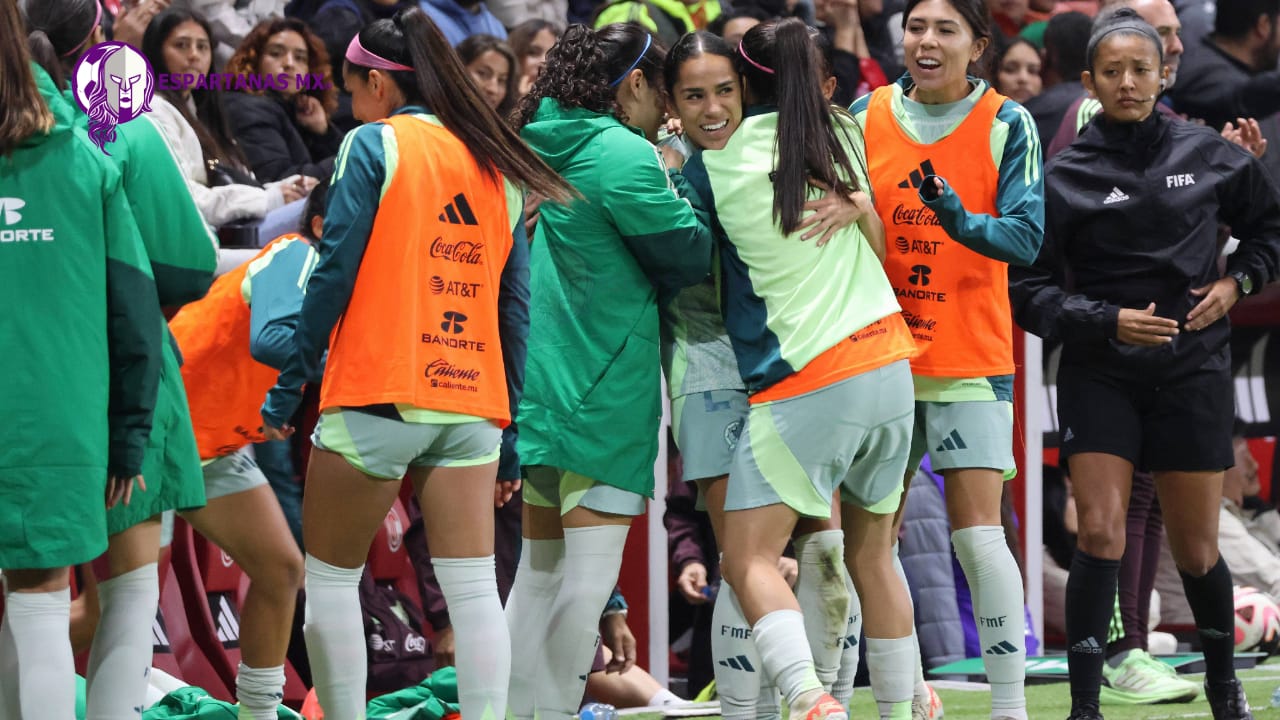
176	650
389	558
213	588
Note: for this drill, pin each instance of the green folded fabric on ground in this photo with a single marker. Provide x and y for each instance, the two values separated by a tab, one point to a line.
431	699
193	703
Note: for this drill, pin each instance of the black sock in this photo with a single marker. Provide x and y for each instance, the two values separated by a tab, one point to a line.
1213	605
1091	598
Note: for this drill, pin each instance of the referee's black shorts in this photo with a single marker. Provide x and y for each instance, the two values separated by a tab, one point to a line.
1183	425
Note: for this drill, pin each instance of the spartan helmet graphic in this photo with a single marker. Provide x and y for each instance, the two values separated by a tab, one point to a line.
125	78
113	85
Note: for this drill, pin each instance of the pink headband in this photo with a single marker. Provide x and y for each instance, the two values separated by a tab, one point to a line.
94	26
357	55
743	52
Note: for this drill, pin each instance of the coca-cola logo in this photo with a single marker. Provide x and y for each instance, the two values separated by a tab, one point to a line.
395	531
463	251
225	558
415	643
441	368
903	215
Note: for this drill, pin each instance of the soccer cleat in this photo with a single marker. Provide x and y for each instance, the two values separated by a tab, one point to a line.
927	708
1227	700
1085	714
827	708
1143	680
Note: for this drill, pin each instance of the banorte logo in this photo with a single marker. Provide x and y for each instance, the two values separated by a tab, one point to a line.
113	84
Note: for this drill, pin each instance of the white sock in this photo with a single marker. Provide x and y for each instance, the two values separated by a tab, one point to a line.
739	672
120	660
37	623
842	690
533	593
890	662
665	697
769	704
334	631
8	665
786	660
823	594
996	586
260	691
592	559
921	692
470	590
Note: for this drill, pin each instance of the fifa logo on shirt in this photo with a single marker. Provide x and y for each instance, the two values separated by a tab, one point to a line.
1179	180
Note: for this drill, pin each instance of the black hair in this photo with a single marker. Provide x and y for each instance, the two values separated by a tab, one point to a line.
317	203
440	82
826	52
780	64
716	27
583	68
476	45
1121	21
1066	40
976	15
56	31
1236	18
692	45
521	36
213	129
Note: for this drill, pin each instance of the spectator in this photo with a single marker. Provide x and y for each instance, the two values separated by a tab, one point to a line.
850	58
1017	71
231	20
1011	16
285	131
1232	73
1065	40
194	124
493	68
735	23
514	13
530	42
337	21
459	18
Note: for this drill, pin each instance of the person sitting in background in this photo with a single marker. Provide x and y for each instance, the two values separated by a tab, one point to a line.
459	18
669	20
285	130
1017	71
1065	40
735	23
530	41
231	20
336	22
195	126
492	66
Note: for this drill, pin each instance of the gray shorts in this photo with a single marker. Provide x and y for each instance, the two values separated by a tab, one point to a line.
231	474
853	435
707	426
385	448
962	435
551	487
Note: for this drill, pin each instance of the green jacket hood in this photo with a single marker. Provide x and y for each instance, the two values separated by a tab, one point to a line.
558	133
64	115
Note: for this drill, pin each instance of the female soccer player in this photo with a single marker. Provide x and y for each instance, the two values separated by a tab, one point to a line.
821	348
419	298
956	218
589	417
1132	216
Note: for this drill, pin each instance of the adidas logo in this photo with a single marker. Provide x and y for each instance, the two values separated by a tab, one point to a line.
458	212
1117	195
952	443
916	178
228	623
850	642
1088	646
1004	647
159	635
1068	436
738	663
9	208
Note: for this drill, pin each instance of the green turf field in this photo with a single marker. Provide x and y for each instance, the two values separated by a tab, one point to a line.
1051	701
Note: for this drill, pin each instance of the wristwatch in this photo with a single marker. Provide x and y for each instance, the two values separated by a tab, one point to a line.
1244	283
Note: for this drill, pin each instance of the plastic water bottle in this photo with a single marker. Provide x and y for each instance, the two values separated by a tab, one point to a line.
1275	698
598	711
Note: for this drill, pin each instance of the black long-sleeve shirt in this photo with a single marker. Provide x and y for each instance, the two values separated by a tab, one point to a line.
1131	217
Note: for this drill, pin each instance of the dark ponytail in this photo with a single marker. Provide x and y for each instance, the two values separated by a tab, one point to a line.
56	31
23	111
815	148
441	83
584	68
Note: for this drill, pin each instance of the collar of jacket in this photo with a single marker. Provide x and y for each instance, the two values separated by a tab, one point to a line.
1131	138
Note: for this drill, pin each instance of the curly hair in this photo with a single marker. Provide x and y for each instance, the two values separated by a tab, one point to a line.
583	68
248	57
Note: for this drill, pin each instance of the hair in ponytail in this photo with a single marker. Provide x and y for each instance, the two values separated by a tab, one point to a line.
584	69
440	82
56	29
780	64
